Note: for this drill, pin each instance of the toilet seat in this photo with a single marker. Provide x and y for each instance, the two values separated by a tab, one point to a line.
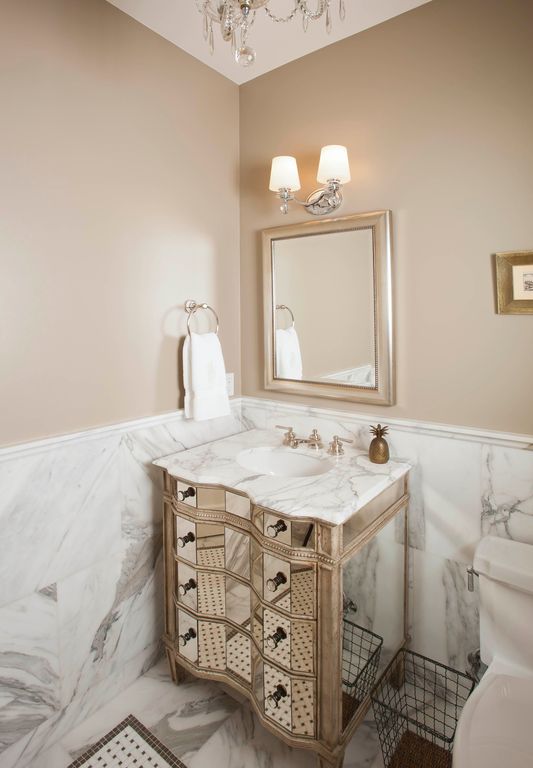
496	725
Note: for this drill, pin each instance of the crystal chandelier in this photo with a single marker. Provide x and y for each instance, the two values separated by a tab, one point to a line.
236	18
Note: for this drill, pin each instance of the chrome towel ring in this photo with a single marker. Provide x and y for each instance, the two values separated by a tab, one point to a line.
191	306
289	310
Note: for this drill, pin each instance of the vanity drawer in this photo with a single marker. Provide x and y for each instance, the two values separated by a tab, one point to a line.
276	579
186	494
289	586
289	701
212	545
212	499
200	543
187	636
213	594
278	528
288	642
200	591
203	643
186	586
295	534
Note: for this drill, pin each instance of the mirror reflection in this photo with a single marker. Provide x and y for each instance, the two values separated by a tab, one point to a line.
328	308
323	287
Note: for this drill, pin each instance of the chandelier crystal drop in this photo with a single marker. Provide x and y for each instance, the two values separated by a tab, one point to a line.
236	17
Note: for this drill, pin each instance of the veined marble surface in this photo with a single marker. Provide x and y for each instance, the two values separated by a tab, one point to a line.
332	497
201	725
81	574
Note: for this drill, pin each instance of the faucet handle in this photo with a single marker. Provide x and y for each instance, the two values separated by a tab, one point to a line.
289	436
315	440
335	447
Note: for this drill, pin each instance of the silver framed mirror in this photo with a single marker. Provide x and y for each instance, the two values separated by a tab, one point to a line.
328	314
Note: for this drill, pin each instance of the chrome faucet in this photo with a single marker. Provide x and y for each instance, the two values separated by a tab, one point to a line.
289	438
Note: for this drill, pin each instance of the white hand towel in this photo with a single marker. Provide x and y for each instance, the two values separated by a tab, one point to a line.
288	355
204	377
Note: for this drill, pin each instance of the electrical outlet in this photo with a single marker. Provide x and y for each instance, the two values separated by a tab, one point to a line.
230	384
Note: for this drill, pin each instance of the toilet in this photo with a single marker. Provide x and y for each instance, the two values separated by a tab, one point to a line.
495	729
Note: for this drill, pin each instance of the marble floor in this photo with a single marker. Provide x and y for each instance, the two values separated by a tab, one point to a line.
203	726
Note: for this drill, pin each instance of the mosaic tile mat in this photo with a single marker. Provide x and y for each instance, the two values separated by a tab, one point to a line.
128	745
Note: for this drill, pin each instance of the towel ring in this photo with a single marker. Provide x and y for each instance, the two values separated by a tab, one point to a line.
191	306
289	310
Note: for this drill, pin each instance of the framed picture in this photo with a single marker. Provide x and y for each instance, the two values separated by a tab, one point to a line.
514	282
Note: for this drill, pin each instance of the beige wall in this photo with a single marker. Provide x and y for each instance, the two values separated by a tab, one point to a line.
105	125
104	128
436	109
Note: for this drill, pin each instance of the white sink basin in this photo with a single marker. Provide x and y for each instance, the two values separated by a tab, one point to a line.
283	462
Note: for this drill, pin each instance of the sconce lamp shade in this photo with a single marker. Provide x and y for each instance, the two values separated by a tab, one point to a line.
284	174
334	164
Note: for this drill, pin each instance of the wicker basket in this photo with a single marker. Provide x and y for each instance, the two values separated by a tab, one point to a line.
361	651
417	703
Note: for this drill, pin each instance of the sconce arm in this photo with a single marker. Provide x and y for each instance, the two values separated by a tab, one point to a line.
321	202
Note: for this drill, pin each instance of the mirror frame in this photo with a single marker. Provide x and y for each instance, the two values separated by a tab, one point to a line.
384	391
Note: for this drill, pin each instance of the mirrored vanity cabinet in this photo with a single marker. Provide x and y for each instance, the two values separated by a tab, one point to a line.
291	590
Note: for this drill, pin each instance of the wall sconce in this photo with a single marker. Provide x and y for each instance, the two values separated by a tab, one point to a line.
333	172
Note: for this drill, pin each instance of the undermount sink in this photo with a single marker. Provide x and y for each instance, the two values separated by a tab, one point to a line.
282	462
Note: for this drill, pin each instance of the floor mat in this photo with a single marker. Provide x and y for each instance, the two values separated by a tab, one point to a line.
128	745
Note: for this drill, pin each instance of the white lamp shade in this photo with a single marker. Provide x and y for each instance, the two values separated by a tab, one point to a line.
334	164
284	174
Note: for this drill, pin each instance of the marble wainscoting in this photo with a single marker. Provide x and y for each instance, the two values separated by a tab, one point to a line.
80	572
465	484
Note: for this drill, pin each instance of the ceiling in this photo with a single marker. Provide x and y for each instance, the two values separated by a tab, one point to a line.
275	44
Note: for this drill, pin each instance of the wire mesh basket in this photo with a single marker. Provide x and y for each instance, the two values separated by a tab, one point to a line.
417	703
361	651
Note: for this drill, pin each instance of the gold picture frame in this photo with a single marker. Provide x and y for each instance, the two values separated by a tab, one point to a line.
514	281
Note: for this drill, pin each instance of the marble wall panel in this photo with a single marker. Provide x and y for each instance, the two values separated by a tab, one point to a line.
507	493
60	510
81	573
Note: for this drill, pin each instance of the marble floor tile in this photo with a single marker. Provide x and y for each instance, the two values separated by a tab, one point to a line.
183	717
242	741
363	750
202	725
55	757
29	666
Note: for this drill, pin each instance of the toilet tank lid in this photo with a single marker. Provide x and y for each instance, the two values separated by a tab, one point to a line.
505	560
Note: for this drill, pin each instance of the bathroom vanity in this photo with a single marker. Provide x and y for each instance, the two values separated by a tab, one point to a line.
285	578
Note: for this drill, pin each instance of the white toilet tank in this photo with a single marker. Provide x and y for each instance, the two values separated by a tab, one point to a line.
505	569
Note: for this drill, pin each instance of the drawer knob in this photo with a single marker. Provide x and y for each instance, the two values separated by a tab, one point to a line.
189	493
276	637
279	578
273	530
279	694
184	588
189	635
183	540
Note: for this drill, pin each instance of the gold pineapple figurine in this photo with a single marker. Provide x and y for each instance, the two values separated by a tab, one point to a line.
378	453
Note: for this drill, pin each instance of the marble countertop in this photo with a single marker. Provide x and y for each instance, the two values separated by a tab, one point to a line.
332	497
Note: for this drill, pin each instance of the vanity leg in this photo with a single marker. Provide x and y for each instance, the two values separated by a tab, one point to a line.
330	762
176	672
172	666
